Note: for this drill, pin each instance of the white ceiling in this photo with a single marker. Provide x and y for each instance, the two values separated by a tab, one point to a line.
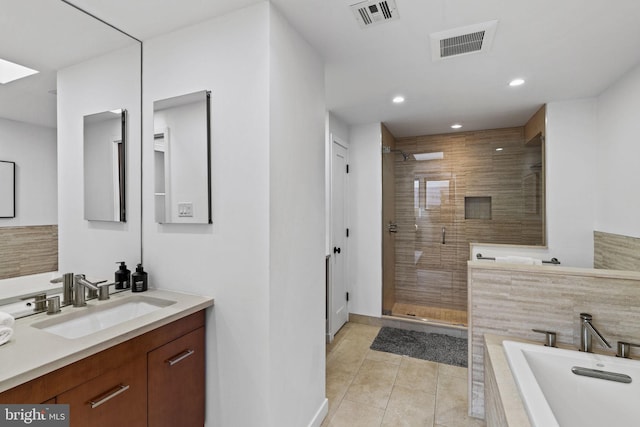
565	50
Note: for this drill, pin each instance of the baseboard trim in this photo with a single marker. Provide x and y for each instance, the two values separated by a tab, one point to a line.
320	414
365	320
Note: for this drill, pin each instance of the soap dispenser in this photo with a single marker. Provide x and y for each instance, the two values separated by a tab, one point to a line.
123	276
139	283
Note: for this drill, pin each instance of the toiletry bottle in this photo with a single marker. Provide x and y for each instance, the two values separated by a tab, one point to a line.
123	276
139	282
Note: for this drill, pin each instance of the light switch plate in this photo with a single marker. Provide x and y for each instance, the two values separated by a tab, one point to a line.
185	209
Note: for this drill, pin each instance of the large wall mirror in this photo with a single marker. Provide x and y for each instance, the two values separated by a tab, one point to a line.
182	159
105	166
43	136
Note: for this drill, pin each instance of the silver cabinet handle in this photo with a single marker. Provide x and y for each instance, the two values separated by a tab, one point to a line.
178	358
97	401
444	233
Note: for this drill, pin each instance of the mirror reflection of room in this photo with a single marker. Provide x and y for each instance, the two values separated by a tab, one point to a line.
182	159
104	166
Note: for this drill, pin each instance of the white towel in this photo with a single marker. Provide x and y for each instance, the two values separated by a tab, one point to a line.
519	260
6	319
5	334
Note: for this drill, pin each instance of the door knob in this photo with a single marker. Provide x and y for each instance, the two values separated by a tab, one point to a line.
336	250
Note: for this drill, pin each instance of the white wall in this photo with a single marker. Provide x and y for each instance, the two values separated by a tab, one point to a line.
105	83
297	229
262	258
618	171
365	211
33	149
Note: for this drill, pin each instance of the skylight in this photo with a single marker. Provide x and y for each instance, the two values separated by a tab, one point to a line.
10	71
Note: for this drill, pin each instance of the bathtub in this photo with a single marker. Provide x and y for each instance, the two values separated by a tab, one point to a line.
555	396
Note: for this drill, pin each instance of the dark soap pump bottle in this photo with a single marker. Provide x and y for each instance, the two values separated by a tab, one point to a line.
123	276
139	282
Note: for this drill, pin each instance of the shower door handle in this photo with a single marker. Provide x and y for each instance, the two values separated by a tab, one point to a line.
444	235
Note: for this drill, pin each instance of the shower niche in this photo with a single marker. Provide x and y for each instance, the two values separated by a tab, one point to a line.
182	159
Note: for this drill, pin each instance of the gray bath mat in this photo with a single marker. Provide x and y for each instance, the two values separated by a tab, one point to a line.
421	345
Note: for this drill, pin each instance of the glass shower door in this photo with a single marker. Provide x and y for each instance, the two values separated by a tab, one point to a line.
430	250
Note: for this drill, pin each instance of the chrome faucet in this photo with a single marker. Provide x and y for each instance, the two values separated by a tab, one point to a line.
67	281
587	331
79	293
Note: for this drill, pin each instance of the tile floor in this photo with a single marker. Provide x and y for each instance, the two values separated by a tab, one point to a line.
369	388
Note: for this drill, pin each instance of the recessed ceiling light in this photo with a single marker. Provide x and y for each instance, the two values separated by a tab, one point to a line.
499	149
10	71
516	82
456	126
398	99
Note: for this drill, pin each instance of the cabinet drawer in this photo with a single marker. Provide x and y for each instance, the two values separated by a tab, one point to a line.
176	381
116	398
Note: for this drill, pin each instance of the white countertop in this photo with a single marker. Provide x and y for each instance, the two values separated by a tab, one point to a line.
33	352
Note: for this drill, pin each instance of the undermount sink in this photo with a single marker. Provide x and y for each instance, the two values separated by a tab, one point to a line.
84	321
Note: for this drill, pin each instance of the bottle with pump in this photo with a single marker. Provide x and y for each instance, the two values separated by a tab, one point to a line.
139	282
122	276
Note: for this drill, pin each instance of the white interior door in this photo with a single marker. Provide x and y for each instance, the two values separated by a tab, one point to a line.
338	311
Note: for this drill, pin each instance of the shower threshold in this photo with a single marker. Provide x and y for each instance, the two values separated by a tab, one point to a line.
435	315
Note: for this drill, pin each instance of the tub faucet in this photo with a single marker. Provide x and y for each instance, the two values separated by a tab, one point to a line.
587	331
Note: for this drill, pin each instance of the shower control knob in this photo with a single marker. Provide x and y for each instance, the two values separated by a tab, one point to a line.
336	250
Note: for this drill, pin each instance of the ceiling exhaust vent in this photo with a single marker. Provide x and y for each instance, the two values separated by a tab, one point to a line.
463	41
369	13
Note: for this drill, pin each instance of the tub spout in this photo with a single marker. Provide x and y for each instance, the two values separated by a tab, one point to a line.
587	331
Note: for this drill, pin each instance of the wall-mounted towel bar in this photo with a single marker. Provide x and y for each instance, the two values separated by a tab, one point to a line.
551	261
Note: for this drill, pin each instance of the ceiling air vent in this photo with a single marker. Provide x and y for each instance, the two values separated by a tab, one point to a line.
463	41
369	13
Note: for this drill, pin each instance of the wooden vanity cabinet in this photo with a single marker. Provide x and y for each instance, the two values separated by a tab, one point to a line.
155	379
115	398
176	382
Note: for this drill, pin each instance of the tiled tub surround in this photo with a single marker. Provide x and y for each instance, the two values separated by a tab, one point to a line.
511	300
28	250
616	252
503	404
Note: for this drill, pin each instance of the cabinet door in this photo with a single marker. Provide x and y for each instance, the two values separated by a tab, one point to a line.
176	382
115	398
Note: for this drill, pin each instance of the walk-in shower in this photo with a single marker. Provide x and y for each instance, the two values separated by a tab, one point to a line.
442	193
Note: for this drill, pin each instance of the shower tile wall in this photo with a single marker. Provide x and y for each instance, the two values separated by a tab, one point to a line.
430	195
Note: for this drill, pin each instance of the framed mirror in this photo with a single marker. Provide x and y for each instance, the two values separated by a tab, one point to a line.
104	154
7	189
182	159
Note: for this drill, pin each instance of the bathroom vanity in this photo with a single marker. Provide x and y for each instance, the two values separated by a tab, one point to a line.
149	370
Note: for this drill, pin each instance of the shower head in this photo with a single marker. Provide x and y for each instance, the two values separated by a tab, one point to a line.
387	150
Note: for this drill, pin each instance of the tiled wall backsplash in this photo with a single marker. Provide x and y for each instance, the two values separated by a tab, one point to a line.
28	250
616	252
512	300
